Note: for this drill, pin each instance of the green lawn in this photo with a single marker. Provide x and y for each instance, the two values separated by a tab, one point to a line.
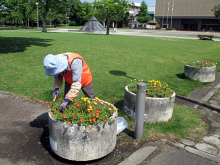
113	60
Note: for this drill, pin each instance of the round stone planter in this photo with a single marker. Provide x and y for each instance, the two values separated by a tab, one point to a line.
80	143
202	74
156	109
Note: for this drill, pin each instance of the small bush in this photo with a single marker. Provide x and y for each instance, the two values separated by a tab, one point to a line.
72	23
169	28
158	27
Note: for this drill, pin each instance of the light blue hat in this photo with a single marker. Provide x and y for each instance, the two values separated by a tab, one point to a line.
55	64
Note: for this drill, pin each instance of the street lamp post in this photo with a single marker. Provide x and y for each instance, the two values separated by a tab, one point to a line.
50	18
28	17
37	17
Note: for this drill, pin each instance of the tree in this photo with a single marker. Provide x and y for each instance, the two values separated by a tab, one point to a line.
143	15
110	7
81	12
216	10
60	6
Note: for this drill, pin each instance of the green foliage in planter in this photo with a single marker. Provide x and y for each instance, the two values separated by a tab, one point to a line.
83	111
200	64
154	88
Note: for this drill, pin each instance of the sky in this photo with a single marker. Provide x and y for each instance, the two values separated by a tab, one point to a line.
148	2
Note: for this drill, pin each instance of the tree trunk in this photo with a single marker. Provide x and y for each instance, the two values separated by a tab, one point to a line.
44	26
108	23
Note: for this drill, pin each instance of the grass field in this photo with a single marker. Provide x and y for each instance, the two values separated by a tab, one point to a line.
113	60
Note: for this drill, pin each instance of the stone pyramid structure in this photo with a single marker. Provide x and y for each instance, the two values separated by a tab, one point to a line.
92	25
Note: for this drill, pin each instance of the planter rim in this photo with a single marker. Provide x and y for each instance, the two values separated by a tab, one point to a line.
201	66
111	117
173	95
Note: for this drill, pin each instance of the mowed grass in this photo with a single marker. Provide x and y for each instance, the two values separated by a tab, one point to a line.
113	60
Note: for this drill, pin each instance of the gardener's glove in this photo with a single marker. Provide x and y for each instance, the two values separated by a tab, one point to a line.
56	92
64	104
74	90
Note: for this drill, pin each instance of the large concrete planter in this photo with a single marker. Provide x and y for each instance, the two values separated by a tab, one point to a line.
80	143
202	74
156	109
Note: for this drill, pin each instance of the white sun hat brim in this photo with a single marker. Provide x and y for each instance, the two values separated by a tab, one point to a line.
55	64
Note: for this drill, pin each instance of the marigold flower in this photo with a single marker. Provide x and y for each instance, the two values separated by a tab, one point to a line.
64	106
109	109
170	93
90	127
97	116
157	88
97	110
89	110
95	103
116	109
75	101
58	97
116	115
90	107
88	101
90	119
69	122
78	105
97	113
94	119
93	114
101	103
73	114
104	120
81	120
74	106
64	116
108	104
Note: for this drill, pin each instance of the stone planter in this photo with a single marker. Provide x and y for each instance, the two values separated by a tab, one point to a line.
79	143
202	74
156	109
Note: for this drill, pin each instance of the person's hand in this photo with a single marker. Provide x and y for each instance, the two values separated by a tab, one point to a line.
56	92
64	104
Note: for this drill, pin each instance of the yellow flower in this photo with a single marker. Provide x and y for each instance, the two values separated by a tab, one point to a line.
90	107
109	104
97	98
82	98
116	109
95	103
88	101
109	109
71	100
101	103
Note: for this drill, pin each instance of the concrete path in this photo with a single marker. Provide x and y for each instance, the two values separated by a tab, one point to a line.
152	33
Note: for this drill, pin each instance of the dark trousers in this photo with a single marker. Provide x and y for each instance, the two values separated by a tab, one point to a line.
87	90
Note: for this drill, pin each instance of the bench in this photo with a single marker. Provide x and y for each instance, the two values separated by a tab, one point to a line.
201	37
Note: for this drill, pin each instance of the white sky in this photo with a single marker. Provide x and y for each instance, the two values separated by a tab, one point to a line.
148	2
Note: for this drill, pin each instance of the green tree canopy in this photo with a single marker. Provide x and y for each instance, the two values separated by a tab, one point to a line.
111	7
143	15
216	10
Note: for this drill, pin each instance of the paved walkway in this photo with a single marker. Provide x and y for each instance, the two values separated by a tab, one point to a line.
152	33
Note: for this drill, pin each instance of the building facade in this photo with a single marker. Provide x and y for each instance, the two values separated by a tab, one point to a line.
133	11
194	15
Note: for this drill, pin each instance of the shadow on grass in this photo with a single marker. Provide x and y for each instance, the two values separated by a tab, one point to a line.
19	44
181	76
120	73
